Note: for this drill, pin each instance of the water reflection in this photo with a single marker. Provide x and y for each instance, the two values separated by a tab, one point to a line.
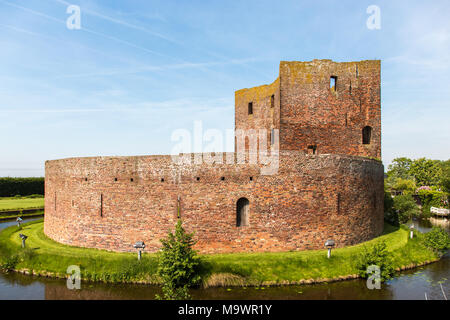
411	284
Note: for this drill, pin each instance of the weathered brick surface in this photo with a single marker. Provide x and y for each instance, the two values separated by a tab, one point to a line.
112	202
293	210
308	112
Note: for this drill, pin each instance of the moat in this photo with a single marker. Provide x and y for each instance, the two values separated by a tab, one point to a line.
432	279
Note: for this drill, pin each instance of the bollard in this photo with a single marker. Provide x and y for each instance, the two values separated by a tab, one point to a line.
140	245
23	237
329	244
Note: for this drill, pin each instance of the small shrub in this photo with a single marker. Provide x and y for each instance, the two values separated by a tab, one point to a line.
406	208
437	240
379	256
9	263
178	264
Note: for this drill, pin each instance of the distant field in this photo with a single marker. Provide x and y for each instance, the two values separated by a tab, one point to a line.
7	204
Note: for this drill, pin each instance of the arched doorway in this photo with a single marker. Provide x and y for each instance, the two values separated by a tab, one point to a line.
242	212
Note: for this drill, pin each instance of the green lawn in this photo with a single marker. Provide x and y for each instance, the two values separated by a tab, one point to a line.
9	204
47	256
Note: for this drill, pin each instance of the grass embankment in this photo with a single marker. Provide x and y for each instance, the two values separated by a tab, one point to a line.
44	256
16	204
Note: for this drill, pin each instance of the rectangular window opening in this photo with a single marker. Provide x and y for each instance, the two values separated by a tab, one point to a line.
272	101
250	108
333	83
312	149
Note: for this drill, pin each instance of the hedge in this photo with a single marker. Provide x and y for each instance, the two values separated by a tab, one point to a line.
10	187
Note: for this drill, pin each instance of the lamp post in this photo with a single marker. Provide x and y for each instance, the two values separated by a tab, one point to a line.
19	221
140	245
411	234
23	237
329	244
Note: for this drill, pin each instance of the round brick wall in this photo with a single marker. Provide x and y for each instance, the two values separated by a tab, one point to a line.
112	202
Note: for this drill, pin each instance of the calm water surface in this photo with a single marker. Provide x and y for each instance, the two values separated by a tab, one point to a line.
432	280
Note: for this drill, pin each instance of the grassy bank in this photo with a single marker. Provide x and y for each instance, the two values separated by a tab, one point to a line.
46	257
16	204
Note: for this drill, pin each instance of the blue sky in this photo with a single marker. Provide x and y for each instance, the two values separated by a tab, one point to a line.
138	70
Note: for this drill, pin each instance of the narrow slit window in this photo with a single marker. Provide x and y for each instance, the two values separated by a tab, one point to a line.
272	101
250	108
333	83
101	205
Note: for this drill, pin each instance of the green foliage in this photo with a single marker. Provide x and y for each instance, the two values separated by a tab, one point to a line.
10	187
432	198
376	255
390	215
426	172
400	168
406	208
438	240
423	172
178	264
406	186
445	178
9	262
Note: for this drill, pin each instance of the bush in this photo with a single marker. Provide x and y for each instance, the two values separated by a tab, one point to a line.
432	198
438	240
9	263
178	264
379	256
11	187
406	208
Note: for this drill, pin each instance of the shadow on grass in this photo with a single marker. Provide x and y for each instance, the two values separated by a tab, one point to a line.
389	228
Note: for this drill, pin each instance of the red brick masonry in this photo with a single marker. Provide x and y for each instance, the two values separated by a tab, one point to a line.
112	202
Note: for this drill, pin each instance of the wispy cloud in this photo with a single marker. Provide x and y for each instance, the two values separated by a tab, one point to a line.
84	29
121	22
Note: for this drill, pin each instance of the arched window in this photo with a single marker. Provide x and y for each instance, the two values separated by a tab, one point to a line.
242	212
366	135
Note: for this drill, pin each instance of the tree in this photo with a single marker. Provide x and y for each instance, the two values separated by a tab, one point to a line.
445	177
178	264
406	208
404	185
426	172
400	168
